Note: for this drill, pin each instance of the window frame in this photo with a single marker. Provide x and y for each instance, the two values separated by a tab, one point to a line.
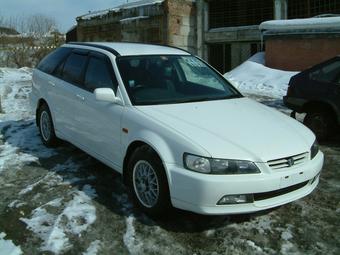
80	52
181	74
319	67
47	57
108	63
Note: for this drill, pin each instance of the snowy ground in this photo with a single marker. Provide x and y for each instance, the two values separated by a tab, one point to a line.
61	201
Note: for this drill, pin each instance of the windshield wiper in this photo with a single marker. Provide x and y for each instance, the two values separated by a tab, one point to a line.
202	99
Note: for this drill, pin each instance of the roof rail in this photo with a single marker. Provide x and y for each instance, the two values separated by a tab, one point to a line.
158	44
103	47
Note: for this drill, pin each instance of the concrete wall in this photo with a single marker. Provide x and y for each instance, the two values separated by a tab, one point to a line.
297	54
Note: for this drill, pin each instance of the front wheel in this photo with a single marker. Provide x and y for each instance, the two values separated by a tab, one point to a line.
46	127
147	181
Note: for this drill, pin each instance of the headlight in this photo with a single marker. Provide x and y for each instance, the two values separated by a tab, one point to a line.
218	166
314	149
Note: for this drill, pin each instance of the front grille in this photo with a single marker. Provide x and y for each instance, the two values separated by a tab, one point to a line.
279	192
289	161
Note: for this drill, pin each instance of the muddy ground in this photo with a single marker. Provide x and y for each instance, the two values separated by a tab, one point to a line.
62	201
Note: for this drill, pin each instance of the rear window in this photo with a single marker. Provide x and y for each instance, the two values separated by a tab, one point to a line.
52	60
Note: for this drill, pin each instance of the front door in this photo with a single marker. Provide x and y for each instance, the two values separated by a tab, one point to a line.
99	123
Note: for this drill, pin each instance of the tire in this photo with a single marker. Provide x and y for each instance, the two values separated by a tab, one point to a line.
149	192
321	122
46	127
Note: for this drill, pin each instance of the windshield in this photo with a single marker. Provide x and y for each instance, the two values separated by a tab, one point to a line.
172	79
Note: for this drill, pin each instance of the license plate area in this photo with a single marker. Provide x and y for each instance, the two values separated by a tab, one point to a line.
292	179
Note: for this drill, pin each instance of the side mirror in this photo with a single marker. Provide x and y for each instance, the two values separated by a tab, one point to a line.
106	95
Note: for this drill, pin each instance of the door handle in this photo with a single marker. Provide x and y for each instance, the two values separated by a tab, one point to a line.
80	97
51	83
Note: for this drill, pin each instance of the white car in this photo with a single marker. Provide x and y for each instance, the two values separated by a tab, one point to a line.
179	133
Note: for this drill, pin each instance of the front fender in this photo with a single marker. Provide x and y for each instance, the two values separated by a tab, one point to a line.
155	141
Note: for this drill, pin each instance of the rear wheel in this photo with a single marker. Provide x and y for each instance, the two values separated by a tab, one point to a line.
147	181
46	127
321	122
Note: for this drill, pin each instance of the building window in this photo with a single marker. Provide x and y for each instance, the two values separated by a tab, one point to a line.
233	13
311	8
220	56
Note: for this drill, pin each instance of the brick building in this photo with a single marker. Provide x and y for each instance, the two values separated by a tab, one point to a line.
297	44
224	32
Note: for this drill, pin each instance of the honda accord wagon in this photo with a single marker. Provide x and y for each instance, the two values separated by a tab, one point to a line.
179	133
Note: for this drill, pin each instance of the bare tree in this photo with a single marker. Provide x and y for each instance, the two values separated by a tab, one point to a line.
40	24
29	46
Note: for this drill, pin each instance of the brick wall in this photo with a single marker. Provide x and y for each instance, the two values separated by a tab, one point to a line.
297	54
182	24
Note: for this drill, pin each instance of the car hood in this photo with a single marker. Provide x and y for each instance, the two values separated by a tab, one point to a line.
235	128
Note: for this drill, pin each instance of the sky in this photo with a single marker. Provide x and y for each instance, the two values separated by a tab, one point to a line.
63	11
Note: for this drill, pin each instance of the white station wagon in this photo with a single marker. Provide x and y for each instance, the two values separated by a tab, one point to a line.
179	133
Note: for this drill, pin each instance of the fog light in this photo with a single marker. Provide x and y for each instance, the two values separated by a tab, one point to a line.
236	199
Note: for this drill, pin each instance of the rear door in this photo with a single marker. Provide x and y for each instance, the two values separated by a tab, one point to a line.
69	88
44	76
100	122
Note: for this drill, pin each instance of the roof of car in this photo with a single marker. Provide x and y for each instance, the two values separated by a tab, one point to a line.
133	49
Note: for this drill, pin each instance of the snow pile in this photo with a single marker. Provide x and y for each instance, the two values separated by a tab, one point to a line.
296	24
255	78
8	247
76	217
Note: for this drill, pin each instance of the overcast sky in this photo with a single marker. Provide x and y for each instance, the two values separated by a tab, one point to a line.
64	11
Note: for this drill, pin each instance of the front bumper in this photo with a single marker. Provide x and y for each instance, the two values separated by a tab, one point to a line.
200	193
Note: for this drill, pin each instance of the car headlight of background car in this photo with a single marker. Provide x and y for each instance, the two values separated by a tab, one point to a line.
218	166
314	149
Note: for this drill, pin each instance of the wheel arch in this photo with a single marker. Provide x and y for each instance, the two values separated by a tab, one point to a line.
137	143
40	102
322	105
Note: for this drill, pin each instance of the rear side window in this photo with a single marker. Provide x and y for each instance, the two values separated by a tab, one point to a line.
74	67
99	75
52	60
327	73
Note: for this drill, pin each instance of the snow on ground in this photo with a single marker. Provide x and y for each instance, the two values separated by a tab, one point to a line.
255	78
93	248
77	216
60	218
18	129
130	237
7	247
